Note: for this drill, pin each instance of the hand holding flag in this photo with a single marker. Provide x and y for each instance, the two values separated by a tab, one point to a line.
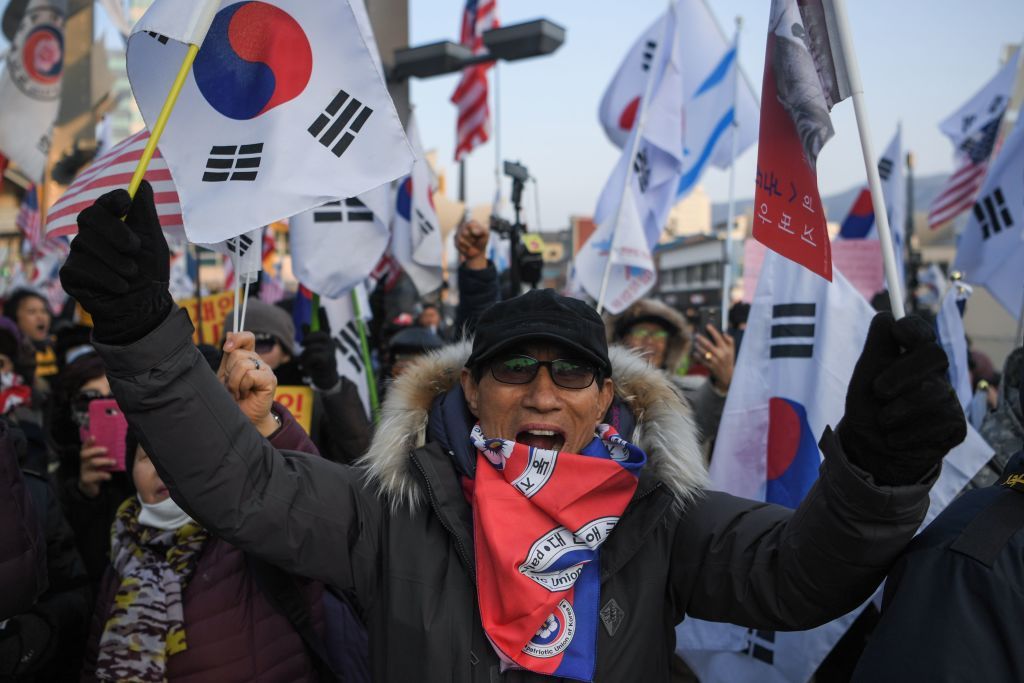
902	415
119	270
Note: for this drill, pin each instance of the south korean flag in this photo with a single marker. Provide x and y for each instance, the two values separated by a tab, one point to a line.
283	109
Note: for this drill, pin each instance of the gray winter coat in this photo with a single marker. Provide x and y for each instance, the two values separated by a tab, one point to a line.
398	534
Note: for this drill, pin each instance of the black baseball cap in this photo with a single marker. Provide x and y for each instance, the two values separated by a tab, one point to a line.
541	314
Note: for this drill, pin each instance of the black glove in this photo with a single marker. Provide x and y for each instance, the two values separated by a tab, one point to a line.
24	644
902	414
119	270
318	360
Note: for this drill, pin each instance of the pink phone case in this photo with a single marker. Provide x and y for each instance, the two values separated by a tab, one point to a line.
109	428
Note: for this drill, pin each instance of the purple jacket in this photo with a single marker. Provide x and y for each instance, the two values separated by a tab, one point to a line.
234	633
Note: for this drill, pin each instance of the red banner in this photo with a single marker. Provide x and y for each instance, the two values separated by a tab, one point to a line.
788	215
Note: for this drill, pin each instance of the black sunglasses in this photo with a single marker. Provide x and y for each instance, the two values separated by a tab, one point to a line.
568	374
265	343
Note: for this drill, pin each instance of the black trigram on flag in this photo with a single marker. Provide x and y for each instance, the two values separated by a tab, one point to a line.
338	125
347	344
642	170
425	226
885	168
761	645
233	162
992	214
649	49
240	245
792	331
162	39
349	210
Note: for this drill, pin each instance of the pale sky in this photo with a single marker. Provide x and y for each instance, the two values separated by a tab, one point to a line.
919	60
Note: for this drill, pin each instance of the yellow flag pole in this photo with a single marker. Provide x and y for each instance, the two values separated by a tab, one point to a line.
161	120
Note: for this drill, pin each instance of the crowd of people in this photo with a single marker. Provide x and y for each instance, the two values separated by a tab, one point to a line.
214	539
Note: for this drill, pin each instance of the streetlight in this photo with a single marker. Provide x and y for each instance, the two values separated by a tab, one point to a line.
509	43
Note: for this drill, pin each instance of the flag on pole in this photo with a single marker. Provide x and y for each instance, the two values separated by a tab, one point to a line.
950	325
802	341
470	96
30	86
283	110
341	318
28	219
336	245
416	231
109	172
973	129
636	199
860	221
712	101
803	80
990	250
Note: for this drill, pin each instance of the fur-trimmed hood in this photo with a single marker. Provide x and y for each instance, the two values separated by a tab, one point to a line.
664	425
646	310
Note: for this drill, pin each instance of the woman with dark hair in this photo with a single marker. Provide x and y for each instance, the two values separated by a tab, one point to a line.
31	313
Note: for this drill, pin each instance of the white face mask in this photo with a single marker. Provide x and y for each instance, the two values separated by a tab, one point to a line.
8	380
164	515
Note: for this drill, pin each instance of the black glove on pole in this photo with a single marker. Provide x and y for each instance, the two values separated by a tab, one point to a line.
318	360
902	414
119	270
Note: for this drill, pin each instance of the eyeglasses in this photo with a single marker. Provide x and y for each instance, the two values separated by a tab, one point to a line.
568	374
265	343
657	335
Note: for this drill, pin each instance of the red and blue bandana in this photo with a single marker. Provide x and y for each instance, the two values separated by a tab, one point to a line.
539	519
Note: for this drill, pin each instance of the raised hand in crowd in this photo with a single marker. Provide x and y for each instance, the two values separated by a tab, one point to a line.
319	360
717	352
94	468
249	380
902	414
471	240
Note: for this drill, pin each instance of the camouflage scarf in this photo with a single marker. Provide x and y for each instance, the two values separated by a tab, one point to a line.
146	621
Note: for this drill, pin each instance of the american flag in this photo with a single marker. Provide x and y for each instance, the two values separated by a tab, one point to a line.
474	122
960	191
111	171
28	219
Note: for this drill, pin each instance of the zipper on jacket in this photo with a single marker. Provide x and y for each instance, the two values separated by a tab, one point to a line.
459	545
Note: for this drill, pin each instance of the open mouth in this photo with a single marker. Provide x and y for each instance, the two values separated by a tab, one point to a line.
548	439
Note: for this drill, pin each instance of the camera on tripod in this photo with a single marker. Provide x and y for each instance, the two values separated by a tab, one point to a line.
526	266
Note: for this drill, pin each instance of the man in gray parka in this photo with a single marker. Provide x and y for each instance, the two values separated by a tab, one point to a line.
479	446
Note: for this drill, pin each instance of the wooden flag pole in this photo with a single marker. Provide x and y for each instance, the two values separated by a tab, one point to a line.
371	381
161	120
892	276
200	19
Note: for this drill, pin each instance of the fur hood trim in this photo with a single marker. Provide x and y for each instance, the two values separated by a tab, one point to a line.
665	428
645	310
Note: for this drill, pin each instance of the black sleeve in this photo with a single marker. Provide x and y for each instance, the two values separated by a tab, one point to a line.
478	289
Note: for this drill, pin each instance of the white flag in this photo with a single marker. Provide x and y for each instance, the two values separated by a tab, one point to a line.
990	251
627	234
803	339
283	110
30	86
711	100
342	320
336	246
950	325
860	223
416	238
984	108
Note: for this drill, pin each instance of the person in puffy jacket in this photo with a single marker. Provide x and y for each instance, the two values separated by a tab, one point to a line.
533	505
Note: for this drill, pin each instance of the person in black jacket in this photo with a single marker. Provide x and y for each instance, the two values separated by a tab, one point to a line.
415	535
953	602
